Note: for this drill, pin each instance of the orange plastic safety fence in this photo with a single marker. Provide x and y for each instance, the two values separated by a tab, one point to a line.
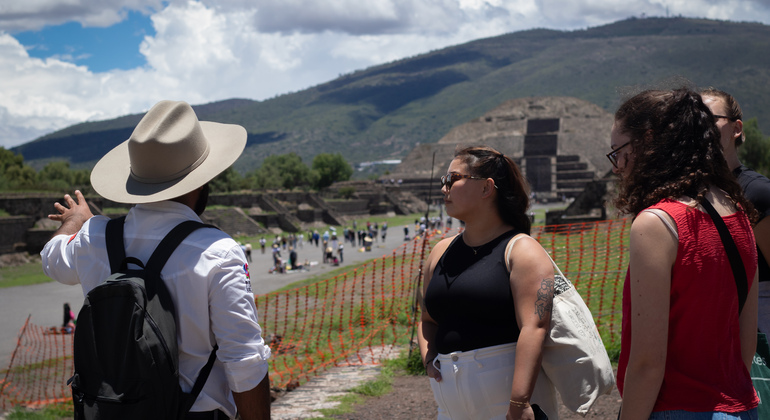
346	318
40	366
594	257
342	319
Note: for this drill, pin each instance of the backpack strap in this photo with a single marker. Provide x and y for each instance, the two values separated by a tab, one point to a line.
168	245
116	252
739	271
203	375
155	264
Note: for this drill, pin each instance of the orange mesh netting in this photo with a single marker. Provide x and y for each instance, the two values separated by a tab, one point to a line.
350	317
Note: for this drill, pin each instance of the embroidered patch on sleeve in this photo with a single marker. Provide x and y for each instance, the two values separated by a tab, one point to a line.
248	277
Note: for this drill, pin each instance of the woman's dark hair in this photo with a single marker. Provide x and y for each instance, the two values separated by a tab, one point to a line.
676	150
512	187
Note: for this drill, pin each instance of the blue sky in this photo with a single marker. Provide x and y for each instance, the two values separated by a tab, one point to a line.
99	49
62	63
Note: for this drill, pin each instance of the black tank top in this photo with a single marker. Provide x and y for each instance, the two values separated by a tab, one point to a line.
469	297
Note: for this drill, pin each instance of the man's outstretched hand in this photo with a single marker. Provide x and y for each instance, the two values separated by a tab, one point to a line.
73	215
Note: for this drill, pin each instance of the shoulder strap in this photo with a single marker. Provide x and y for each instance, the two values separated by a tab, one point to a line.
114	238
172	240
510	248
203	375
155	264
739	271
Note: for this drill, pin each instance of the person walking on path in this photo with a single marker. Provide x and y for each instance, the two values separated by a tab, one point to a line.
164	169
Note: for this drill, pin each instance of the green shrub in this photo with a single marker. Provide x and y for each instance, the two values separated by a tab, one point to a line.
347	192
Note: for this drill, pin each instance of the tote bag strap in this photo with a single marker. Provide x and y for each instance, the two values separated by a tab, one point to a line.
524	235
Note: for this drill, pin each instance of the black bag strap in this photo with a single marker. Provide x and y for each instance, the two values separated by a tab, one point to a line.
117	256
168	245
203	375
155	264
114	238
739	271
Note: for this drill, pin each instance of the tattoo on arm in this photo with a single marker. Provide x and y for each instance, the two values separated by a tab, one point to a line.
544	302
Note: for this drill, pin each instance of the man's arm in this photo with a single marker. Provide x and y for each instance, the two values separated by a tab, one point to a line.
73	216
254	404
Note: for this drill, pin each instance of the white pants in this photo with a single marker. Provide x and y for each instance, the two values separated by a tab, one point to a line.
476	385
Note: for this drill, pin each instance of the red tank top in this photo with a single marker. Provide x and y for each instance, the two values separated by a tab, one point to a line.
704	368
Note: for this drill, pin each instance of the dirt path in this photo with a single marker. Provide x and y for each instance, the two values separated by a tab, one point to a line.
411	398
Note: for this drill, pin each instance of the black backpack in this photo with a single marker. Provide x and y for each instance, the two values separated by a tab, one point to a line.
126	354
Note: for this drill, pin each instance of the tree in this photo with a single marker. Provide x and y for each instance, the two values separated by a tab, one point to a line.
9	159
331	168
21	177
283	171
227	181
57	176
755	151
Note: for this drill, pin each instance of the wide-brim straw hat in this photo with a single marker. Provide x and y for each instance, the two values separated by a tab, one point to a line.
169	154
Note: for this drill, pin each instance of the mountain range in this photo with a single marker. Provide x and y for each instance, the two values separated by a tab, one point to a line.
382	112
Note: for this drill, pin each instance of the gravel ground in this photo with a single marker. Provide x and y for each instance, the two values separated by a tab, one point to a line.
411	398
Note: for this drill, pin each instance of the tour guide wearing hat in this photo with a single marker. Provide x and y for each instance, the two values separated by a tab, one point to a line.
164	168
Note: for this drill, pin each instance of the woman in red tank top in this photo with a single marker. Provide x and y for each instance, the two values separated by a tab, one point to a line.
685	349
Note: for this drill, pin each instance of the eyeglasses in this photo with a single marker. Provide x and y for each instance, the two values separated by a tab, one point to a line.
613	155
716	117
453	177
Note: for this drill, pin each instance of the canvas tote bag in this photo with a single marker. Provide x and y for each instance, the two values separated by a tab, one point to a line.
574	357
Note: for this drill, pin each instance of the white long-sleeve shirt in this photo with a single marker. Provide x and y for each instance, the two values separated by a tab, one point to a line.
208	279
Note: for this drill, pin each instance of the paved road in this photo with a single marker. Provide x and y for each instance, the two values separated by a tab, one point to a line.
44	302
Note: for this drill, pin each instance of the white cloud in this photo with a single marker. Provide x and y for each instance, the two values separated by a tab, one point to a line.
27	15
210	50
350	16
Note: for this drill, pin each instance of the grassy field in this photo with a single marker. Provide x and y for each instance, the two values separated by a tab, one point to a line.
23	275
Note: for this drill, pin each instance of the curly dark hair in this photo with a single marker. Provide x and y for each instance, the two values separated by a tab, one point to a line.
512	187
676	149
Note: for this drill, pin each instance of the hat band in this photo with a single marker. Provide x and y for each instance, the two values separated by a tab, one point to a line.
174	176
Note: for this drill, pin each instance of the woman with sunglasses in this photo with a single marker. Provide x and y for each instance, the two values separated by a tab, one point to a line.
686	347
486	305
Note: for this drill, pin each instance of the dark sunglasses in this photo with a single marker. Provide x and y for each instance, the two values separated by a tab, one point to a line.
716	117
453	177
613	155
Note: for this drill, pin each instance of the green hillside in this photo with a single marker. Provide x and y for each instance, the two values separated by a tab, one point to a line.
382	112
